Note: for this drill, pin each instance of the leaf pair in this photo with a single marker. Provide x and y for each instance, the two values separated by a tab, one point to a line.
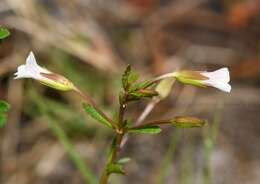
135	90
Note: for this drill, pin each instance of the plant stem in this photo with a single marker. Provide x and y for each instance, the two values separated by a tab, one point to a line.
115	147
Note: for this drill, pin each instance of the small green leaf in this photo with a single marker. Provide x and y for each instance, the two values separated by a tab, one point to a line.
126	76
96	115
4	107
129	78
144	93
2	120
188	122
4	33
141	85
133	77
124	160
115	168
146	129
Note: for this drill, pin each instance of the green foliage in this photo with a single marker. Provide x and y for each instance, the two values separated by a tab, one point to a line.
4	33
4	108
142	93
146	129
125	77
115	168
96	115
141	85
134	90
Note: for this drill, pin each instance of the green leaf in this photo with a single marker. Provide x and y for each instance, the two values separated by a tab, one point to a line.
129	78
4	107
124	160
4	33
133	77
126	76
141	85
115	168
144	93
96	115
188	122
2	120
146	129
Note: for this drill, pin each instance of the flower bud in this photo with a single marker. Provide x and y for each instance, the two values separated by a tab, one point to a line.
188	122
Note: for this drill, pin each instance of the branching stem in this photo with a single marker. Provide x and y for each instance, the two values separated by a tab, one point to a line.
115	147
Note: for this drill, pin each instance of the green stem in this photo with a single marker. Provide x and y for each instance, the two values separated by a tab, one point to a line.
115	147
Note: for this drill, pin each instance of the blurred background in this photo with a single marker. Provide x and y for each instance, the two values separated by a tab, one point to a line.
48	139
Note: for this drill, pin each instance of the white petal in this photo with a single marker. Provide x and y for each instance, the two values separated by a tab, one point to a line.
31	62
22	73
31	69
220	85
221	75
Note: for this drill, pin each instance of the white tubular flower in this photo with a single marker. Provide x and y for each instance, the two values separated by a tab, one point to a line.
218	79
32	70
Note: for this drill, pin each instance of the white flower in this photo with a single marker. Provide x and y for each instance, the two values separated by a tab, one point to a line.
32	70
218	79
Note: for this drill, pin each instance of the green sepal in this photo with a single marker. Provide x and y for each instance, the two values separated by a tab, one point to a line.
146	129
96	115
